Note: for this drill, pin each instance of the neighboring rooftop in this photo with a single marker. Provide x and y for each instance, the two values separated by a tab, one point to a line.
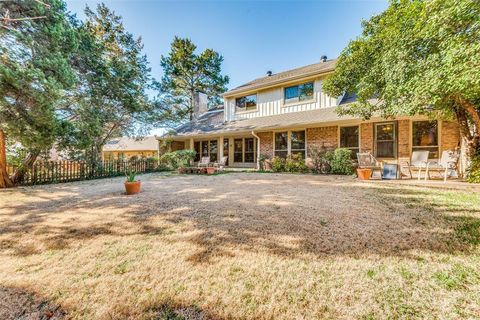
276	78
132	144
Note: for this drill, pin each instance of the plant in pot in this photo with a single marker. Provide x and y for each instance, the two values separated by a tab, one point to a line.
132	186
210	170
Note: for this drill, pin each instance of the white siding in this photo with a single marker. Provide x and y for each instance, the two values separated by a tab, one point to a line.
270	102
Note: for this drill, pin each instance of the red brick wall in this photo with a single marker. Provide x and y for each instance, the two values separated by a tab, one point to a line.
404	139
324	137
266	143
450	136
366	137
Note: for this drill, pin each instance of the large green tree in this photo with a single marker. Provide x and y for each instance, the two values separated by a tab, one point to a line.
110	98
187	73
35	71
417	57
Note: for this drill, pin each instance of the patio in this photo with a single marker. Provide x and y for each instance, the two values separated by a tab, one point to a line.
244	245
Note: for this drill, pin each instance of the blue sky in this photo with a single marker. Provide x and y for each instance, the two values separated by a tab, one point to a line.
252	36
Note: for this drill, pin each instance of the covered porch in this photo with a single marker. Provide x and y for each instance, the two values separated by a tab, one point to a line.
241	149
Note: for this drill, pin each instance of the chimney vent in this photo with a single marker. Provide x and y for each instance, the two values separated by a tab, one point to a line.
323	58
269	73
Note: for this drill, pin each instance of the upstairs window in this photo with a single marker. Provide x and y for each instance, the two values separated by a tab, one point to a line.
425	137
298	93
246	103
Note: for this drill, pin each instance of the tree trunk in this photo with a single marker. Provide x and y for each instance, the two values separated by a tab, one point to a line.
27	163
5	181
469	132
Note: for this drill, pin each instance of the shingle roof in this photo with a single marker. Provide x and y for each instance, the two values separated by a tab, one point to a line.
132	144
292	119
305	71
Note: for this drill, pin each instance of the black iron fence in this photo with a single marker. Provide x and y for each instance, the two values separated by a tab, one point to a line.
43	172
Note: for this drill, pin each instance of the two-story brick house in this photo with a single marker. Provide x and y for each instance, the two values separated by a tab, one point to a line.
288	112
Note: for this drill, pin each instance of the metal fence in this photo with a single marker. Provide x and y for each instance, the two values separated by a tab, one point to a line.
43	172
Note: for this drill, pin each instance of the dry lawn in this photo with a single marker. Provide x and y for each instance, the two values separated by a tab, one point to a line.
241	246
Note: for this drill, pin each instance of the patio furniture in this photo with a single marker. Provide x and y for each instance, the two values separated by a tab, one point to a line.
448	163
367	161
418	161
204	162
222	163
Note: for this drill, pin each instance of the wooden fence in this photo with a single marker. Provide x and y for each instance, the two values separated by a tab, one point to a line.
44	172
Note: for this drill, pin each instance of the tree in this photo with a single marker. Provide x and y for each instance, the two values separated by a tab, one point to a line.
35	70
186	74
110	98
417	57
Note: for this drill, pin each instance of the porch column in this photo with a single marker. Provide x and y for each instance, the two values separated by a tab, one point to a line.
230	151
190	142
220	148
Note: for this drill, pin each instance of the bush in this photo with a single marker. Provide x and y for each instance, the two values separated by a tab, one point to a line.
473	173
278	164
320	159
180	158
295	163
341	161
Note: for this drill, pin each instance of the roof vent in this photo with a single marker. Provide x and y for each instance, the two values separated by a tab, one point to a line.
323	58
269	73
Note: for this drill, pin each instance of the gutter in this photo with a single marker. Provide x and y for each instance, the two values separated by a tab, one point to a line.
258	149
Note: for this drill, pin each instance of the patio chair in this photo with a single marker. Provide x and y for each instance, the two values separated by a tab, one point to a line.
447	164
204	162
418	161
367	161
222	163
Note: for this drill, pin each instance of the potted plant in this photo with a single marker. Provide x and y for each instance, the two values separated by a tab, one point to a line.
181	170
210	170
132	186
364	173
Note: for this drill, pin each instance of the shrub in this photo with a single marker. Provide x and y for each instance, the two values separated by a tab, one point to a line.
341	161
473	173
320	159
295	163
180	158
278	164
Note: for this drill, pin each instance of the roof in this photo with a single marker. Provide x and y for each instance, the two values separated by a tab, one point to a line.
292	119
132	144
278	78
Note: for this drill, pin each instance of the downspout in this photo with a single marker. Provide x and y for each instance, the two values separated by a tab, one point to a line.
258	149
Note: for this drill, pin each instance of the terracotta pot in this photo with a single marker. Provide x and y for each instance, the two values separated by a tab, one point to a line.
210	170
132	187
364	174
181	170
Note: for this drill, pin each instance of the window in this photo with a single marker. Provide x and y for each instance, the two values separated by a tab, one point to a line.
213	150
281	144
425	137
349	139
246	103
225	147
206	149
290	142
298	93
297	143
244	150
249	150
238	150
385	140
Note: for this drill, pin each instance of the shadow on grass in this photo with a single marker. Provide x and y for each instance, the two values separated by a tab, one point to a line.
286	215
17	303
